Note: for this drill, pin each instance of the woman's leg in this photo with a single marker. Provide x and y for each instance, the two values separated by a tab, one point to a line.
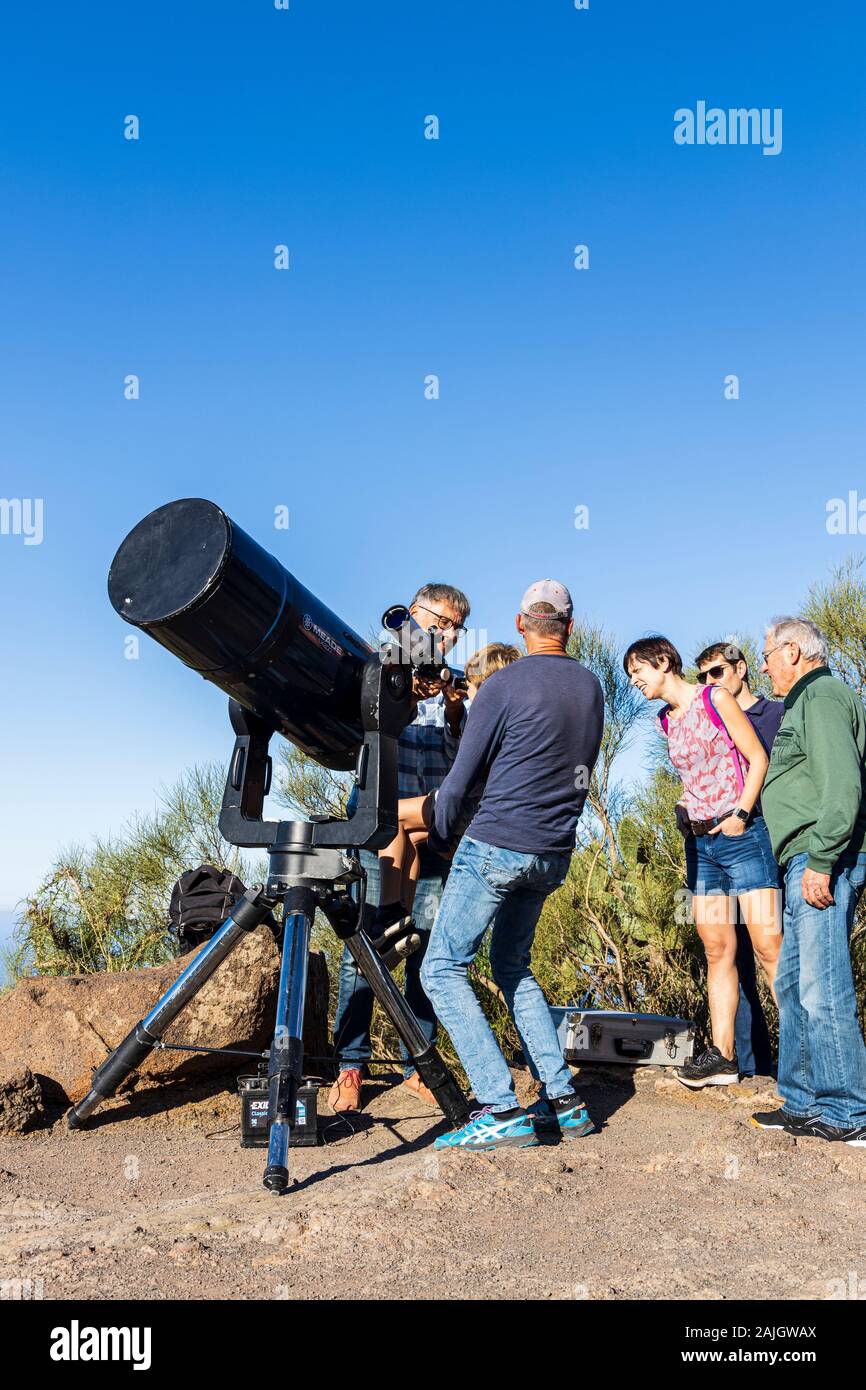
715	919
391	860
398	861
414	813
412	867
748	861
762	914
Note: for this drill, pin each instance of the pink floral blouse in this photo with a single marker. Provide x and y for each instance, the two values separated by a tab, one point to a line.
702	758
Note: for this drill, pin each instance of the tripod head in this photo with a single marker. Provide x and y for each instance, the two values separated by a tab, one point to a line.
385	707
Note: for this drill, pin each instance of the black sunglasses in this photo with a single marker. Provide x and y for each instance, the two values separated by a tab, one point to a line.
715	671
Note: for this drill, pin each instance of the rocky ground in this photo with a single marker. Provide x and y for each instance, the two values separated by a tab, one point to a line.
676	1196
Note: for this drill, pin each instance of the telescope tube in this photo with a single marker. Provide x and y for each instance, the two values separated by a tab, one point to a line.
190	578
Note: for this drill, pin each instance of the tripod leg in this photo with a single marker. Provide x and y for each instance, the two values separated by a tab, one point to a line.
425	1055
285	1071
143	1038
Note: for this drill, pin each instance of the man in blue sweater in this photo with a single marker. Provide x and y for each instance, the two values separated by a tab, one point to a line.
535	731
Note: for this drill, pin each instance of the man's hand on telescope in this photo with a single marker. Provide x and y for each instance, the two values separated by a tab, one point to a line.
425	689
454	707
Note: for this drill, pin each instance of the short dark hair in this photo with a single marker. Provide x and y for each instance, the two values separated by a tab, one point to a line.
652	649
727	651
537	621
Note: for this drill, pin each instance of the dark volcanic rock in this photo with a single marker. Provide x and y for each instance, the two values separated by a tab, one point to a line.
22	1106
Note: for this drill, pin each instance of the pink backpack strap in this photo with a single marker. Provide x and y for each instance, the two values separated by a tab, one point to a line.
716	719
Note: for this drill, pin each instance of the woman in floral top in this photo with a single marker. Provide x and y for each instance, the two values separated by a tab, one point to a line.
729	861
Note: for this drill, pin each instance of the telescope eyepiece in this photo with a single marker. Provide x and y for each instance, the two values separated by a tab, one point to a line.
396	617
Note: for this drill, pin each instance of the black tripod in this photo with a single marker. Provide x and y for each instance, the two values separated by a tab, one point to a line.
310	864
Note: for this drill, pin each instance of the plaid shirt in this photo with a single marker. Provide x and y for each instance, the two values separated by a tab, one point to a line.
426	749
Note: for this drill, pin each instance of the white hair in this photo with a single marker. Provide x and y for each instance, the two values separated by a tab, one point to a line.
809	638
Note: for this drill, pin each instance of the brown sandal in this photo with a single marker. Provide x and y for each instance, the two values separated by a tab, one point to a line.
346	1091
414	1084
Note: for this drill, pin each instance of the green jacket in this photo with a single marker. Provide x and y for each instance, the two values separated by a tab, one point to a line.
814	796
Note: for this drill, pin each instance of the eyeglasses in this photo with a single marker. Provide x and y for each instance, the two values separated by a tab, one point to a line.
715	671
765	656
444	624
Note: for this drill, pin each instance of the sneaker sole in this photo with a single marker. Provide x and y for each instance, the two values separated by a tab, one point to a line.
781	1129
516	1143
509	1144
724	1079
577	1131
547	1127
825	1139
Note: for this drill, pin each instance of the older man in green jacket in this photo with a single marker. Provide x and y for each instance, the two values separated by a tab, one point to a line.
814	800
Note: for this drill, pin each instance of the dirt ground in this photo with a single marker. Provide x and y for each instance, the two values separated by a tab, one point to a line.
676	1196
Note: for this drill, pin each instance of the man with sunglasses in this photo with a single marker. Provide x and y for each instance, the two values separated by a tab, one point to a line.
426	750
815	805
723	664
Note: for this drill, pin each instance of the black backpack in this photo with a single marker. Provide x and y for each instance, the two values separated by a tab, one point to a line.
201	900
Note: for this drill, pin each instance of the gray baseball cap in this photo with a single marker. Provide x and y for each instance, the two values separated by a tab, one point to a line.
547	591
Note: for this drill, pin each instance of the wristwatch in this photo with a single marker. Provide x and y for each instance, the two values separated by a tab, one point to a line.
741	814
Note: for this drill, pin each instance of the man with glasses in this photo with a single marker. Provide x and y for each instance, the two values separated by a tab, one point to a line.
427	747
815	806
723	664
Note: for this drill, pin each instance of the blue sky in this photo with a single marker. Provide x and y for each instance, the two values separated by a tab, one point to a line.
408	256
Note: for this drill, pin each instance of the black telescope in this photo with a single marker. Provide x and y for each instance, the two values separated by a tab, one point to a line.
190	578
201	587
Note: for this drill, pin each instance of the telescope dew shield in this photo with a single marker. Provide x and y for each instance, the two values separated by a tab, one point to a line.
201	587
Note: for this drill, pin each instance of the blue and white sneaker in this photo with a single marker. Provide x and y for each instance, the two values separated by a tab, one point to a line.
486	1130
566	1116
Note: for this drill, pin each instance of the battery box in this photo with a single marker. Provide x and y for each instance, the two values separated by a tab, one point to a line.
253	1091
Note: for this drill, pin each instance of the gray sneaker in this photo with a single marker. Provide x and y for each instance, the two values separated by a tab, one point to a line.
710	1069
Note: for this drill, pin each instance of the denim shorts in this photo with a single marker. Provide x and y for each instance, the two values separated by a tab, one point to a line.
731	863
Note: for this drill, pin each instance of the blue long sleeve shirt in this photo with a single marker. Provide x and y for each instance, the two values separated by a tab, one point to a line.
534	731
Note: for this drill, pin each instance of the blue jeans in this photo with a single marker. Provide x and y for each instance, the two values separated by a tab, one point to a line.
754	1050
822	1058
355	999
507	889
